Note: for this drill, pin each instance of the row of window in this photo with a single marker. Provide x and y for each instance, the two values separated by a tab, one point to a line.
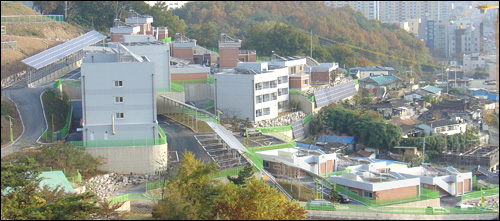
265	85
263	112
266	97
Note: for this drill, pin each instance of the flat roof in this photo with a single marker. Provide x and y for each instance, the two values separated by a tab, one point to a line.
58	52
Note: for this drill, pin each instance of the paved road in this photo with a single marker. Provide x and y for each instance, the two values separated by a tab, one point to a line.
30	108
181	139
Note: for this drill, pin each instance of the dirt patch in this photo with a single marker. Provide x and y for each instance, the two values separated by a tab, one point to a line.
26	47
17	127
16	8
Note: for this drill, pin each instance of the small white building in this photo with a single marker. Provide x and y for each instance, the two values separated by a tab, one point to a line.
443	126
256	93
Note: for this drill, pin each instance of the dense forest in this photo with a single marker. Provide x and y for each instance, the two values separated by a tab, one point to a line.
339	34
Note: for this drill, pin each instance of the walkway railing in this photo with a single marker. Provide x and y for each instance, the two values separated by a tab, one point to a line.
31	18
477	194
127	197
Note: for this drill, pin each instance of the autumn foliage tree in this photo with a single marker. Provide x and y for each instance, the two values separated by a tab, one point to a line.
192	194
256	201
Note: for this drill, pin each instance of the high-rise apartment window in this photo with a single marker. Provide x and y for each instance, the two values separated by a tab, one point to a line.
119	115
118	83
118	99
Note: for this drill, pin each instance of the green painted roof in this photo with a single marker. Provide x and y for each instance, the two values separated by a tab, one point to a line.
432	89
54	178
383	79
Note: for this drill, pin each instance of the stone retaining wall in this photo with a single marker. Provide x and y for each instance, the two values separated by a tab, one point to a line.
105	185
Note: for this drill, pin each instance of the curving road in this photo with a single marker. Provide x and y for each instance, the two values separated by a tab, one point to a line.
30	108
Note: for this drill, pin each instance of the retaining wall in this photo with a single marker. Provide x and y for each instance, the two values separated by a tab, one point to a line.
389	216
134	159
198	92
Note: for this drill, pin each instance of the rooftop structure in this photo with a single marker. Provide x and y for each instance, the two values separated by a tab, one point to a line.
55	178
483	156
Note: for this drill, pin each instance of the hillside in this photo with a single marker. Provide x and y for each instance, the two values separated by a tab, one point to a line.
31	38
342	25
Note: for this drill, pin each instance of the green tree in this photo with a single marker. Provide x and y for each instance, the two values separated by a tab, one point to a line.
188	195
243	175
255	201
23	198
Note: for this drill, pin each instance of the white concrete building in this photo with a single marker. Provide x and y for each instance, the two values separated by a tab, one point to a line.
256	93
443	126
118	97
471	61
119	111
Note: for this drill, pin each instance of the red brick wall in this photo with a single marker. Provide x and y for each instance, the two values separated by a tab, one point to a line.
459	184
228	57
329	166
396	193
466	185
184	53
320	77
117	37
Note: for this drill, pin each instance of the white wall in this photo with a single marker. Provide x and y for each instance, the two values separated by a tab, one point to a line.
98	99
160	56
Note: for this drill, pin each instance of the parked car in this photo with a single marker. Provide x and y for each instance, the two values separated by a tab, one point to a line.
251	132
344	198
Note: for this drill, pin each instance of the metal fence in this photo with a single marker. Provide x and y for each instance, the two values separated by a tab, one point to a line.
479	194
31	18
425	194
119	143
127	197
307	118
395	210
9	45
271	147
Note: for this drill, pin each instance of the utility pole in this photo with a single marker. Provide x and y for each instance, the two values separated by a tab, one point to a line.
52	127
10	129
423	153
311	44
66	10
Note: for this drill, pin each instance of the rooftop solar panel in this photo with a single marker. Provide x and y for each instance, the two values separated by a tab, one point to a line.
333	94
58	52
298	129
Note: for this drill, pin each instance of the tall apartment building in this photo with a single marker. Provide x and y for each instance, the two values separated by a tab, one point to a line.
398	11
252	91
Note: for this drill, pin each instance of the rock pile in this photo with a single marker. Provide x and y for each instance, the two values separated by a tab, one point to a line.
489	201
104	185
281	121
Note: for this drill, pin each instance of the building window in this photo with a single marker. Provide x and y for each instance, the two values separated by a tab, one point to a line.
258	113
265	164
267	111
119	115
305	82
118	100
276	167
274	84
266	98
118	83
284	79
265	85
258	86
367	194
259	99
279	80
274	96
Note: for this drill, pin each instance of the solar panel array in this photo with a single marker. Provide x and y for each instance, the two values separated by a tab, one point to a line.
333	94
298	129
227	136
58	52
